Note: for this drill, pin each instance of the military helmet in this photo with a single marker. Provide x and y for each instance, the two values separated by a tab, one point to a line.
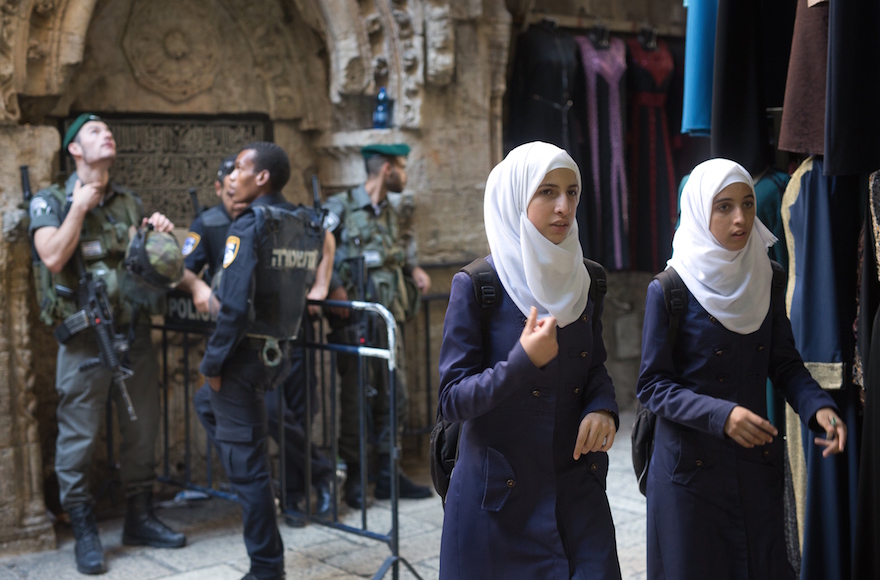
155	258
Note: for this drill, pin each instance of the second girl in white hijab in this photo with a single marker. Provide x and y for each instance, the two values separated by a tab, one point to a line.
527	495
715	482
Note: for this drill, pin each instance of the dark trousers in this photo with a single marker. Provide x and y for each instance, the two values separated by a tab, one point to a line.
378	417
293	389
238	426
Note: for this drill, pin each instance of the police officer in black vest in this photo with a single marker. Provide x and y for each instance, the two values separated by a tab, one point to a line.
268	257
204	247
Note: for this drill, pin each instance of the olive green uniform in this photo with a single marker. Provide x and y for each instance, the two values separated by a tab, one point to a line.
84	394
371	232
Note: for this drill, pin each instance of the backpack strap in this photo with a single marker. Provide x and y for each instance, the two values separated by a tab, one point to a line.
675	296
487	291
598	285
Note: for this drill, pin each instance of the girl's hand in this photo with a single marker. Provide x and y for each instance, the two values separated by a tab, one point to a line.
835	431
749	429
596	433
538	339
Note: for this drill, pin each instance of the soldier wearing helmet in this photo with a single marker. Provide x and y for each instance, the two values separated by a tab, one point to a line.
94	218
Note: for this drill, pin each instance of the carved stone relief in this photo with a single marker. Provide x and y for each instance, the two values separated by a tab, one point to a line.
171	47
440	43
9	21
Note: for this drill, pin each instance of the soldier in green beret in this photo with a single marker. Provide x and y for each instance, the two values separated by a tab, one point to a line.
365	222
96	218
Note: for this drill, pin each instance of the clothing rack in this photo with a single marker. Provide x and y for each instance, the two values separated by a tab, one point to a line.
584	21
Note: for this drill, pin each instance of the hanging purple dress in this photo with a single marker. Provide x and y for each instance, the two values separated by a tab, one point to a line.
603	210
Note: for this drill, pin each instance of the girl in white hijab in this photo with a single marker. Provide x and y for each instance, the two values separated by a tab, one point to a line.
714	484
525	376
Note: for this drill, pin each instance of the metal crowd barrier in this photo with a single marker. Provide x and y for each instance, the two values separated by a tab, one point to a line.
202	326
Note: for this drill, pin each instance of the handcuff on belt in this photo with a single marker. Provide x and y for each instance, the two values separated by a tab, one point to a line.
271	353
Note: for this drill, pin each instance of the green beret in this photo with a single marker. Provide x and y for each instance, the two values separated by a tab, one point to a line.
392	150
76	126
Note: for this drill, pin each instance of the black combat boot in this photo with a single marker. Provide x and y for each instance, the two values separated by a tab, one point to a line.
324	498
406	488
251	576
142	528
89	553
355	494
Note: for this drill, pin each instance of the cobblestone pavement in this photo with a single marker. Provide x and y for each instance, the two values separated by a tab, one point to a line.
216	550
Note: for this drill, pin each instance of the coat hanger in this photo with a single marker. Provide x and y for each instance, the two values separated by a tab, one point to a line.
648	36
599	34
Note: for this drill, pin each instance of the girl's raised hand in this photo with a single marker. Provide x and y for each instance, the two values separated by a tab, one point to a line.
538	339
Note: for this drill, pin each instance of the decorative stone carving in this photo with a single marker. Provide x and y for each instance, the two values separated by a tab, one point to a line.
8	99
380	67
373	24
440	44
44	7
23	522
36	51
171	47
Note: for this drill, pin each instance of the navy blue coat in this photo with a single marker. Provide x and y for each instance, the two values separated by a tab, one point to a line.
715	509
519	506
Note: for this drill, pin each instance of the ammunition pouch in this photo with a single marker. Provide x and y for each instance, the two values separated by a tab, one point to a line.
396	292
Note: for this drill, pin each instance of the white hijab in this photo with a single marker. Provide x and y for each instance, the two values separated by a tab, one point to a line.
533	270
734	287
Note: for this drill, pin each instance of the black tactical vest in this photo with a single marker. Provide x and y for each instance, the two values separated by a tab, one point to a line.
289	249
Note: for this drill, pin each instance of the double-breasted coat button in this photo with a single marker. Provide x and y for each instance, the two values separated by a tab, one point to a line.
584	354
712	319
585	318
760	347
719	352
594	466
720	379
536	393
698	463
577	390
510	483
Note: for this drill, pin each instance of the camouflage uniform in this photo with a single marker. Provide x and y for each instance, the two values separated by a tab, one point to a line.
372	233
84	394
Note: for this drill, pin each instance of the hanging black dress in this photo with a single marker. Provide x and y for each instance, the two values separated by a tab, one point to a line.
866	558
545	81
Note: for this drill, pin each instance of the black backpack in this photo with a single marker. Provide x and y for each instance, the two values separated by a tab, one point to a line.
487	291
675	295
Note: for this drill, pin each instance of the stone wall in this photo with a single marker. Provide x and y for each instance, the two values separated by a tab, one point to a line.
23	522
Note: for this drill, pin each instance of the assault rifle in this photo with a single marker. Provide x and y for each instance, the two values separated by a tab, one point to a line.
97	313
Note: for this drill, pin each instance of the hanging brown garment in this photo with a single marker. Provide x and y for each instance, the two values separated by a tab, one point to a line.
803	114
